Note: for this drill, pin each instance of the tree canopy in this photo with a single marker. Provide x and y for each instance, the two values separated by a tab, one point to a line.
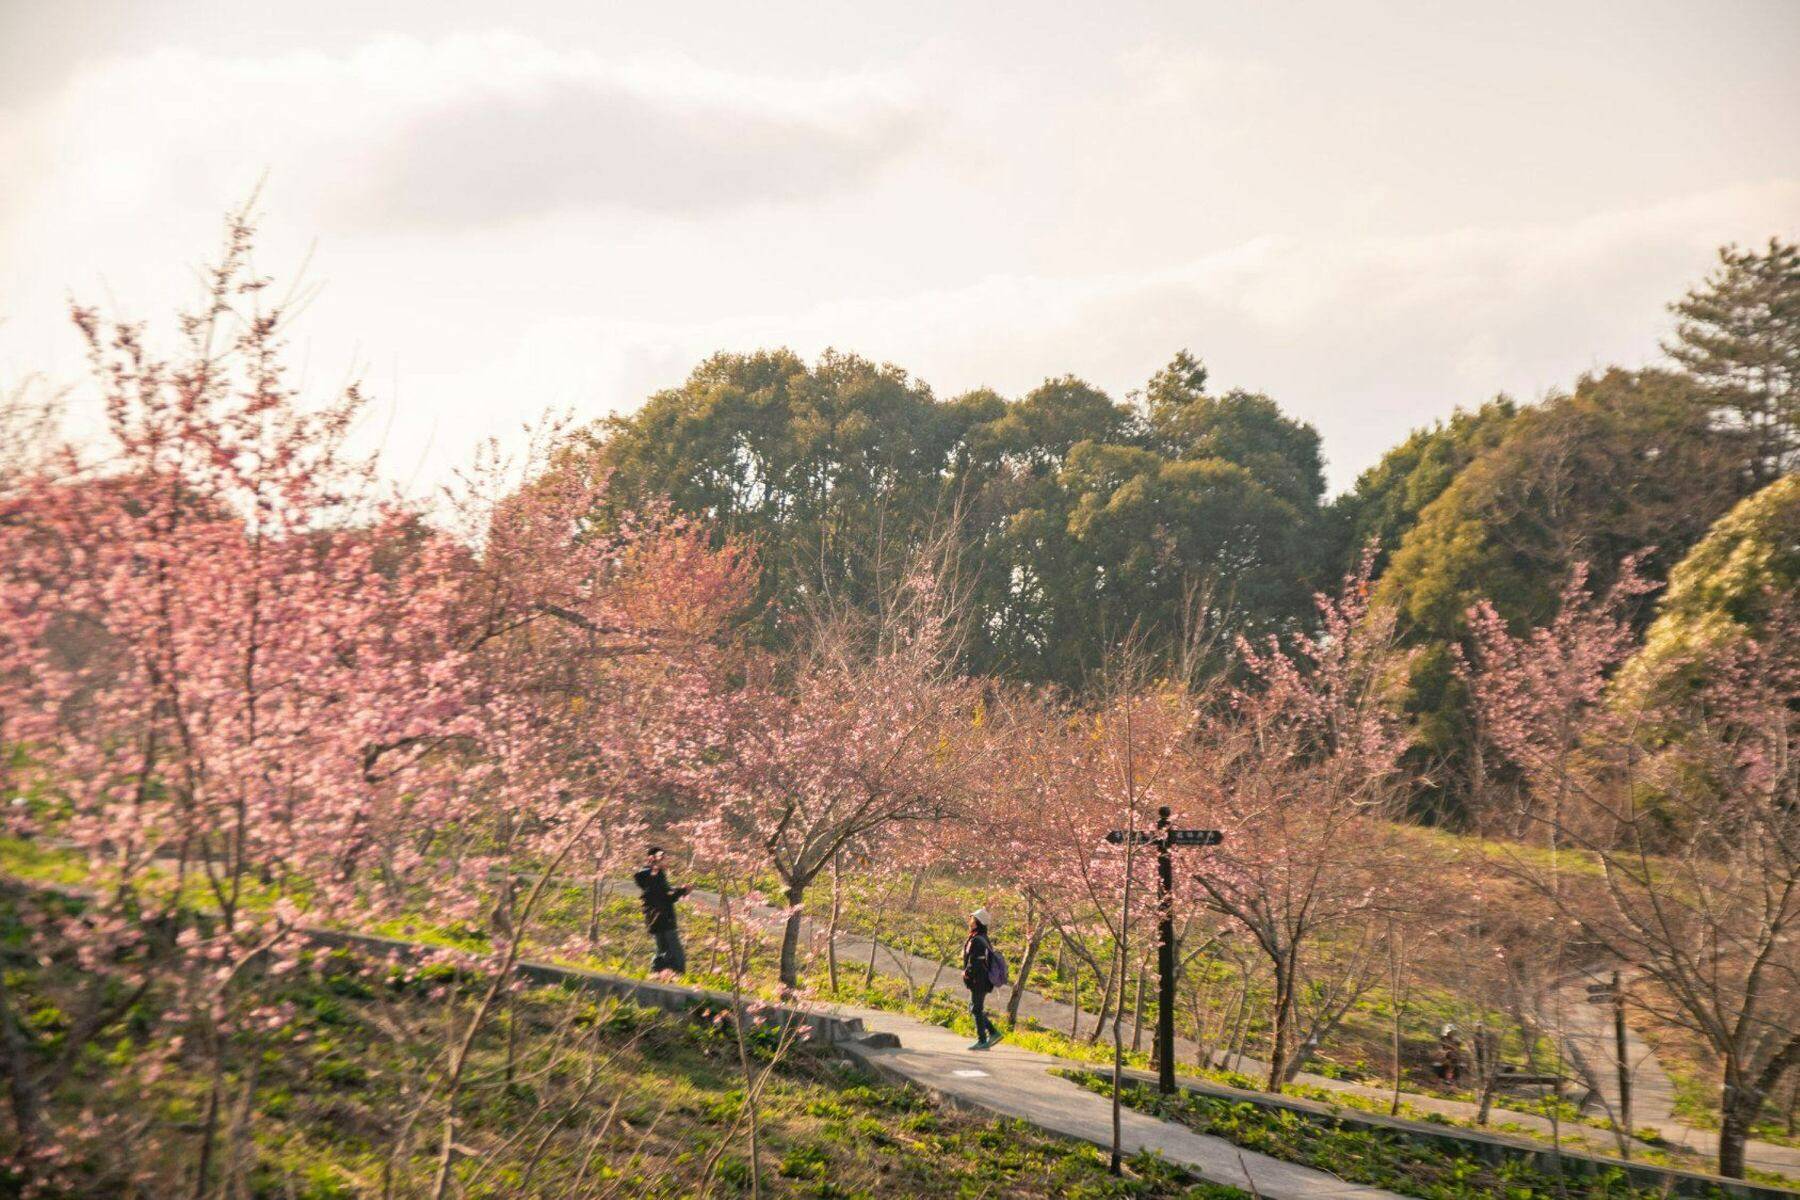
1723	590
1626	464
1739	337
1389	496
1079	519
826	467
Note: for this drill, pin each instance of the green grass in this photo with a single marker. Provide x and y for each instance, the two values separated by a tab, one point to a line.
36	863
1359	1049
1566	861
622	947
331	1085
1578	1136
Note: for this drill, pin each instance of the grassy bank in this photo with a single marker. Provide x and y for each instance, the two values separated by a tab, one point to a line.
565	1097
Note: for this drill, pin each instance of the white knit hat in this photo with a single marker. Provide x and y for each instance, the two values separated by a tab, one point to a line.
980	914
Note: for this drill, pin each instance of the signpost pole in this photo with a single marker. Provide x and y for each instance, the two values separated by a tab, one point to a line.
1165	957
1624	1063
1166	838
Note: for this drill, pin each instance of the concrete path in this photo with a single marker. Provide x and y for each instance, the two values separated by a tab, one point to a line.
1011	1082
1591	1040
853	956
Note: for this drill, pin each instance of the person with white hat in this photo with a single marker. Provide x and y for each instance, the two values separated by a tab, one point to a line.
982	965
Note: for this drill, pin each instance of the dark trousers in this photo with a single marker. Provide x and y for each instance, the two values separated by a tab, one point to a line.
984	1028
669	954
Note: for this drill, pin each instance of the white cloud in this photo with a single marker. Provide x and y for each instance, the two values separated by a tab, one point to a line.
508	223
1364	337
1171	75
467	130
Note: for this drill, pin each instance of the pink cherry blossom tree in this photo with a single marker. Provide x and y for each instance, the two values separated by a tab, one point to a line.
1073	775
197	624
1303	762
859	734
250	697
1677	816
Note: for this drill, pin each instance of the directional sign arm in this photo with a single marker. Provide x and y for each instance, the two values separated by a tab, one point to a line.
1177	837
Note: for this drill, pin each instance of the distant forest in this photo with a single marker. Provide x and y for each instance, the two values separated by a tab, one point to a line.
1186	515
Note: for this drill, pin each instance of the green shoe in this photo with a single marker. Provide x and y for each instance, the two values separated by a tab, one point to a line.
979	1046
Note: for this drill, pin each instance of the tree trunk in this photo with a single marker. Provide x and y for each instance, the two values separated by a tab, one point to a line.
875	945
512	1037
935	976
24	1096
831	926
1486	1049
594	898
1394	1105
1106	1001
1395	997
1284	1003
1486	1107
1210	1018
1202	1038
1240	1030
240	1146
207	1132
1137	1015
1738	1109
743	1047
1233	1043
1026	961
790	937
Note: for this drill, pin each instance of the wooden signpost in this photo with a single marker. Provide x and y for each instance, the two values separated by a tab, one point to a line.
1165	838
1613	993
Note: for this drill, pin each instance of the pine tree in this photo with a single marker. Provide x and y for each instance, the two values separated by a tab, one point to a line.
1739	336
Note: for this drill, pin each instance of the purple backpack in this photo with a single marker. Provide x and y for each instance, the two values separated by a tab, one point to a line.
996	966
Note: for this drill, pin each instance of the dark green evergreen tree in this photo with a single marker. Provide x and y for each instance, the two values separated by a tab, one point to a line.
1739	337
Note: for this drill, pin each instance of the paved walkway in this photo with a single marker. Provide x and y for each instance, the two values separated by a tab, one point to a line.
1592	1042
1589	1038
1012	1082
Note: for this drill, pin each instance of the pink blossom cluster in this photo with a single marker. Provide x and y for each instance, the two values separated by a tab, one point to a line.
250	696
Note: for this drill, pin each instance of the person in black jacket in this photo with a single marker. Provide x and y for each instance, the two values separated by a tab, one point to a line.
659	912
978	954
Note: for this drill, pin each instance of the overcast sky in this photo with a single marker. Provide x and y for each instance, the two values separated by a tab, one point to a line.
1374	212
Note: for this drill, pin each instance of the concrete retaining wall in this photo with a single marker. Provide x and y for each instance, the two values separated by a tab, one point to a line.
826	1029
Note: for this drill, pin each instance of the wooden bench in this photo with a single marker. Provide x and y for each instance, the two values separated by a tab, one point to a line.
1512	1077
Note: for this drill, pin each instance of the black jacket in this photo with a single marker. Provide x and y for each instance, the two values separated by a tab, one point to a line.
658	898
978	952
